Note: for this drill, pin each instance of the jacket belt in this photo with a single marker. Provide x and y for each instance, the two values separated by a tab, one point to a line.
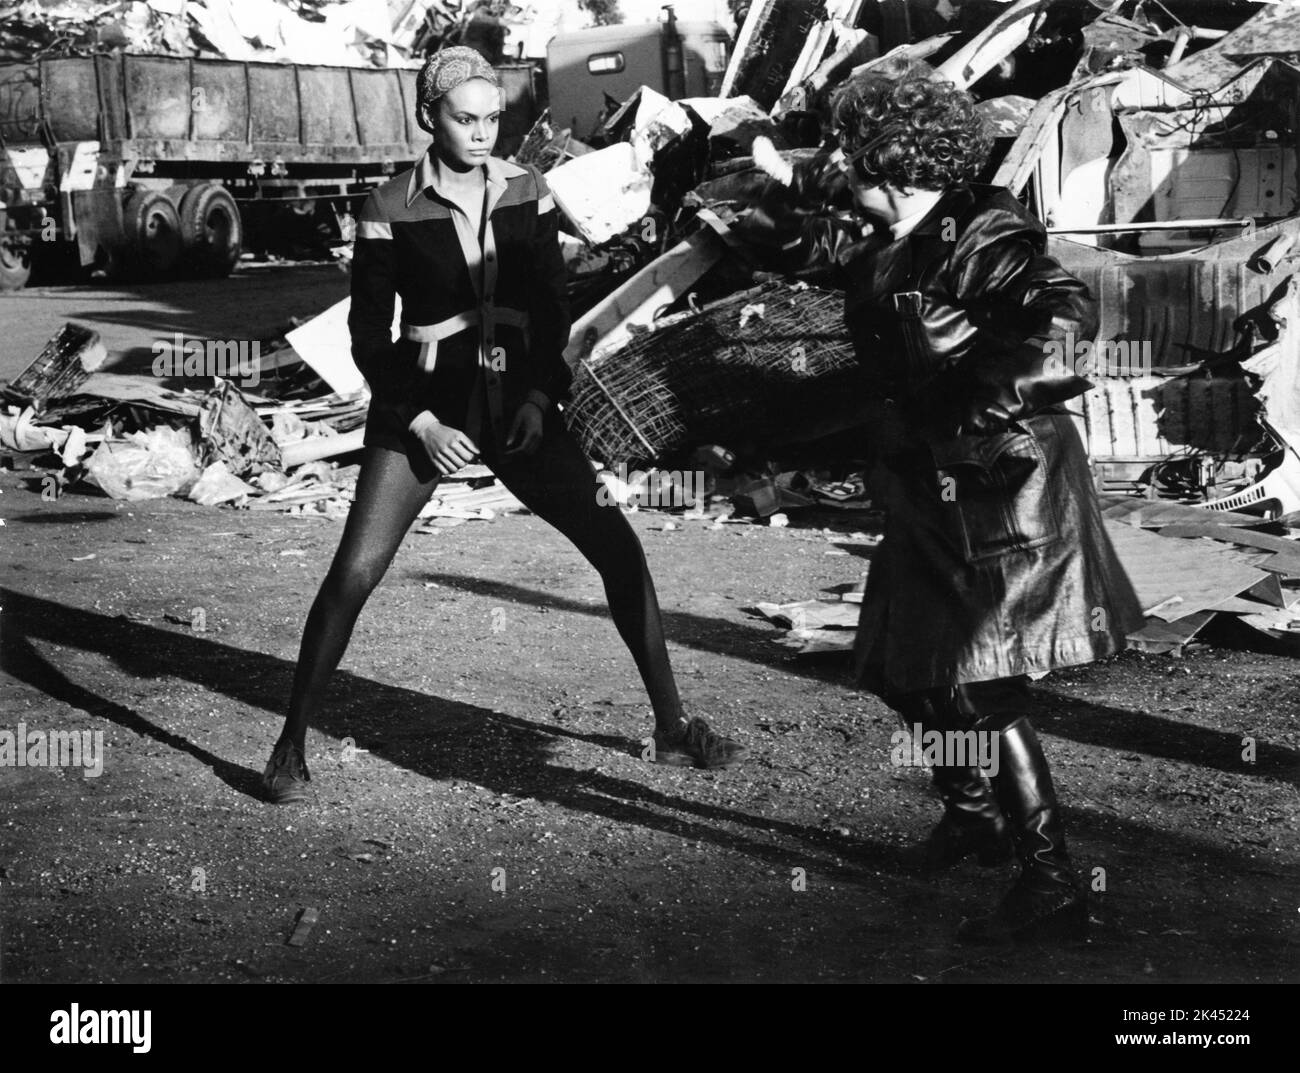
486	317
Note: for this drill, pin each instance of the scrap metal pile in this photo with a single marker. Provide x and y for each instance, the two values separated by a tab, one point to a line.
349	33
1158	141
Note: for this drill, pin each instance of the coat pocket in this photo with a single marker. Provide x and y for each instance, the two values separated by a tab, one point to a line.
995	494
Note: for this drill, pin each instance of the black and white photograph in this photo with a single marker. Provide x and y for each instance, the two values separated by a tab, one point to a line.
624	492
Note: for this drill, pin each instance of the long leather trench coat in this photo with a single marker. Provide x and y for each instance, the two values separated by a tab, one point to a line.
994	562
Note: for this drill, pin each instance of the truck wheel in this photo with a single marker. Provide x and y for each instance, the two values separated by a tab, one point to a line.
212	229
153	233
15	267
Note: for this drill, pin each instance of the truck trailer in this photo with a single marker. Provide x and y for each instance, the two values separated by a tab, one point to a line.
151	165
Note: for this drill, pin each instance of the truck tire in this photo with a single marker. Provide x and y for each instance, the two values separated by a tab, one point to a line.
15	267
211	228
153	233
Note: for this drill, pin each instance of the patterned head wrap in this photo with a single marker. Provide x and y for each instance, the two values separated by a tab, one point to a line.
451	67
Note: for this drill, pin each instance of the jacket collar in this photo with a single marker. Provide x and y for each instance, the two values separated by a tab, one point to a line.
955	201
424	176
953	204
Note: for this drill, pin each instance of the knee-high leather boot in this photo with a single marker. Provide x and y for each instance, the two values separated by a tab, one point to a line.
1045	901
972	821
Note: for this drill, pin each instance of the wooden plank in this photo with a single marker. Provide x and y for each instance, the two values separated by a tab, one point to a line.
1159	637
1271	592
1286	553
637	301
1161	568
1158	513
1240	605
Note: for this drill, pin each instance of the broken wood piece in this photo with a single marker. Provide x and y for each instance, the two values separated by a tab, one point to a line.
808	615
641	298
1158	638
282	501
317	447
302	928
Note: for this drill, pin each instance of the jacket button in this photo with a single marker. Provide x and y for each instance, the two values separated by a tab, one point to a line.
491	256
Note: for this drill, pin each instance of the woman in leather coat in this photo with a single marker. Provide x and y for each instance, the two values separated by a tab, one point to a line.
995	564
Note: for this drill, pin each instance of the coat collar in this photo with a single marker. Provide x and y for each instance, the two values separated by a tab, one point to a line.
424	176
954	203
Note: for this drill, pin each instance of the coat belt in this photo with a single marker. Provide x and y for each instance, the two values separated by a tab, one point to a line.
488	317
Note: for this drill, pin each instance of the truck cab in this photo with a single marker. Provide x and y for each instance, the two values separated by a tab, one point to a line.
585	65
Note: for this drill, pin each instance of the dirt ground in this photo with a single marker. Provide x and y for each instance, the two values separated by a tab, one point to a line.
487	717
480	808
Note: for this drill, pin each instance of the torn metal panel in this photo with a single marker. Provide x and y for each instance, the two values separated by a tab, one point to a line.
1274	31
1006	116
1278	365
1181	307
1040	135
1233	155
768	47
60	369
232	433
827	33
1111	41
1154	418
1278	368
1006	33
1217	160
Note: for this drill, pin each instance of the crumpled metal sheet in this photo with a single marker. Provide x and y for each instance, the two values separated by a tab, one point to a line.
232	433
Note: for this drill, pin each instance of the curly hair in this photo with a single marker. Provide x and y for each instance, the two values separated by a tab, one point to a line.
926	131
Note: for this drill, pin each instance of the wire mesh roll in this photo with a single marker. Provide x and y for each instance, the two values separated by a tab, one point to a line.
724	374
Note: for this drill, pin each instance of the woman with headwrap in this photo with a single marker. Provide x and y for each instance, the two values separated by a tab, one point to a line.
994	564
469	242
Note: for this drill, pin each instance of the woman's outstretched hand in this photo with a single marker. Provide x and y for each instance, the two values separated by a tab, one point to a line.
526	432
449	448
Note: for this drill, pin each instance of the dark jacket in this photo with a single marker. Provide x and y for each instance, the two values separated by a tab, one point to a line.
478	298
995	562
